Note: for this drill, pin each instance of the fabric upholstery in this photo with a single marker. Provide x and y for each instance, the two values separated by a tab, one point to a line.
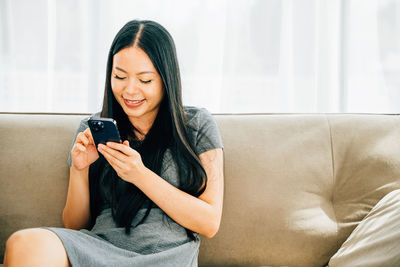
376	240
296	185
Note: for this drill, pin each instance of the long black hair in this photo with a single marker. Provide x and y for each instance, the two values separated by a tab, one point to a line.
169	130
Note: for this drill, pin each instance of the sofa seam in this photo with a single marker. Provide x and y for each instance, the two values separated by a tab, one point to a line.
333	178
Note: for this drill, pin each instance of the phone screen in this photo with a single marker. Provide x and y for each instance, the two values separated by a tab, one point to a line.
104	130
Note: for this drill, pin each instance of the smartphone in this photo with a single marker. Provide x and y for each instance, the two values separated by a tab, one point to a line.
104	130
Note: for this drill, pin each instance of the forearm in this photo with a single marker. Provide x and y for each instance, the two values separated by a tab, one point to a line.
76	214
185	209
201	215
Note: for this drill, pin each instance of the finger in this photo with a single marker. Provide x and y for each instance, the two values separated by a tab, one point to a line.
80	147
115	153
126	143
114	162
121	147
89	136
82	138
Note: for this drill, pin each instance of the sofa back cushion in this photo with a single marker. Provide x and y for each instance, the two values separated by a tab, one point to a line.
296	185
278	192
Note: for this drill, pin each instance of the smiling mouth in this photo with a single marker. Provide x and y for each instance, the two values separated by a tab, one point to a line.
134	101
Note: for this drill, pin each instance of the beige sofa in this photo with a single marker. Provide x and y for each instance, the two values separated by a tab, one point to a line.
296	185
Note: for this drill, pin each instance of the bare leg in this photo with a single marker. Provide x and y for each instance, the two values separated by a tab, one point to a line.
35	247
4	258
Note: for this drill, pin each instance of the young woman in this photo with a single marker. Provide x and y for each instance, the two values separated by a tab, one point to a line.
142	202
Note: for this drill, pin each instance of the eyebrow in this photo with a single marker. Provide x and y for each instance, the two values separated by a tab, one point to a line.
142	72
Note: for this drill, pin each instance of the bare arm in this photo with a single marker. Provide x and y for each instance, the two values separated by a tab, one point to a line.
76	213
201	215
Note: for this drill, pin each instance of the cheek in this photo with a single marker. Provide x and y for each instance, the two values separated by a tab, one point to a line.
158	92
112	85
115	87
116	93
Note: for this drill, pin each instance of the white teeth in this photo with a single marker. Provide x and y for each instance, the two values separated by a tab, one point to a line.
135	101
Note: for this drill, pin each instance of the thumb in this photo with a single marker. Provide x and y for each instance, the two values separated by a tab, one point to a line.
126	142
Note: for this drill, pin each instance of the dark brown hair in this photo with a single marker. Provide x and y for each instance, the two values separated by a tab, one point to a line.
169	129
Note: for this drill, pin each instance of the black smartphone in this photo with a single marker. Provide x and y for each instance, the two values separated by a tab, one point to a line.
104	130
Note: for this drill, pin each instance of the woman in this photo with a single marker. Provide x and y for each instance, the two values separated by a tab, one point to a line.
142	202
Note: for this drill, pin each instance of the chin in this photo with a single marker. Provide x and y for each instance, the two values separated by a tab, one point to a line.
133	113
144	110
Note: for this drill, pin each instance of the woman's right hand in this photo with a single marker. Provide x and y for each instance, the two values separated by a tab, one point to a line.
84	151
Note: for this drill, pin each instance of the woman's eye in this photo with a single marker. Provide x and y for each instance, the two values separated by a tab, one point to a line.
146	81
119	78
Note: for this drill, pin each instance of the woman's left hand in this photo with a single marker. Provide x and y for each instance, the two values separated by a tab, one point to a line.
126	161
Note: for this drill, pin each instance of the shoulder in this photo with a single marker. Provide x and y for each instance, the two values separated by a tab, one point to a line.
197	116
203	129
93	115
84	122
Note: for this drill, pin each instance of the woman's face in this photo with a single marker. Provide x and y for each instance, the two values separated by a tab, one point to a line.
136	84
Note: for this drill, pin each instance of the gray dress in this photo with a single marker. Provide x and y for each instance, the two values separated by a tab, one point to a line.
159	240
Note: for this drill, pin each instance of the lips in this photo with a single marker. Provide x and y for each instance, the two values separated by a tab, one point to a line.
133	103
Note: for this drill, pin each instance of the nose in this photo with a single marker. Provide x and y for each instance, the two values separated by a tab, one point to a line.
132	87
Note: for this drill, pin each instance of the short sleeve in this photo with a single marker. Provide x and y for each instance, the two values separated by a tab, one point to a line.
208	135
83	125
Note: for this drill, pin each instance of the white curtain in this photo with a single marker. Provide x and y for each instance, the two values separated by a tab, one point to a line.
244	56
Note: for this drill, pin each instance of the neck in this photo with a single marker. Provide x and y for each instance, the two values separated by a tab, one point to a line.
142	125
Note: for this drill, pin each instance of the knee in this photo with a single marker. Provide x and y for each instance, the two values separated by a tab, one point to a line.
18	239
35	247
15	239
25	239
